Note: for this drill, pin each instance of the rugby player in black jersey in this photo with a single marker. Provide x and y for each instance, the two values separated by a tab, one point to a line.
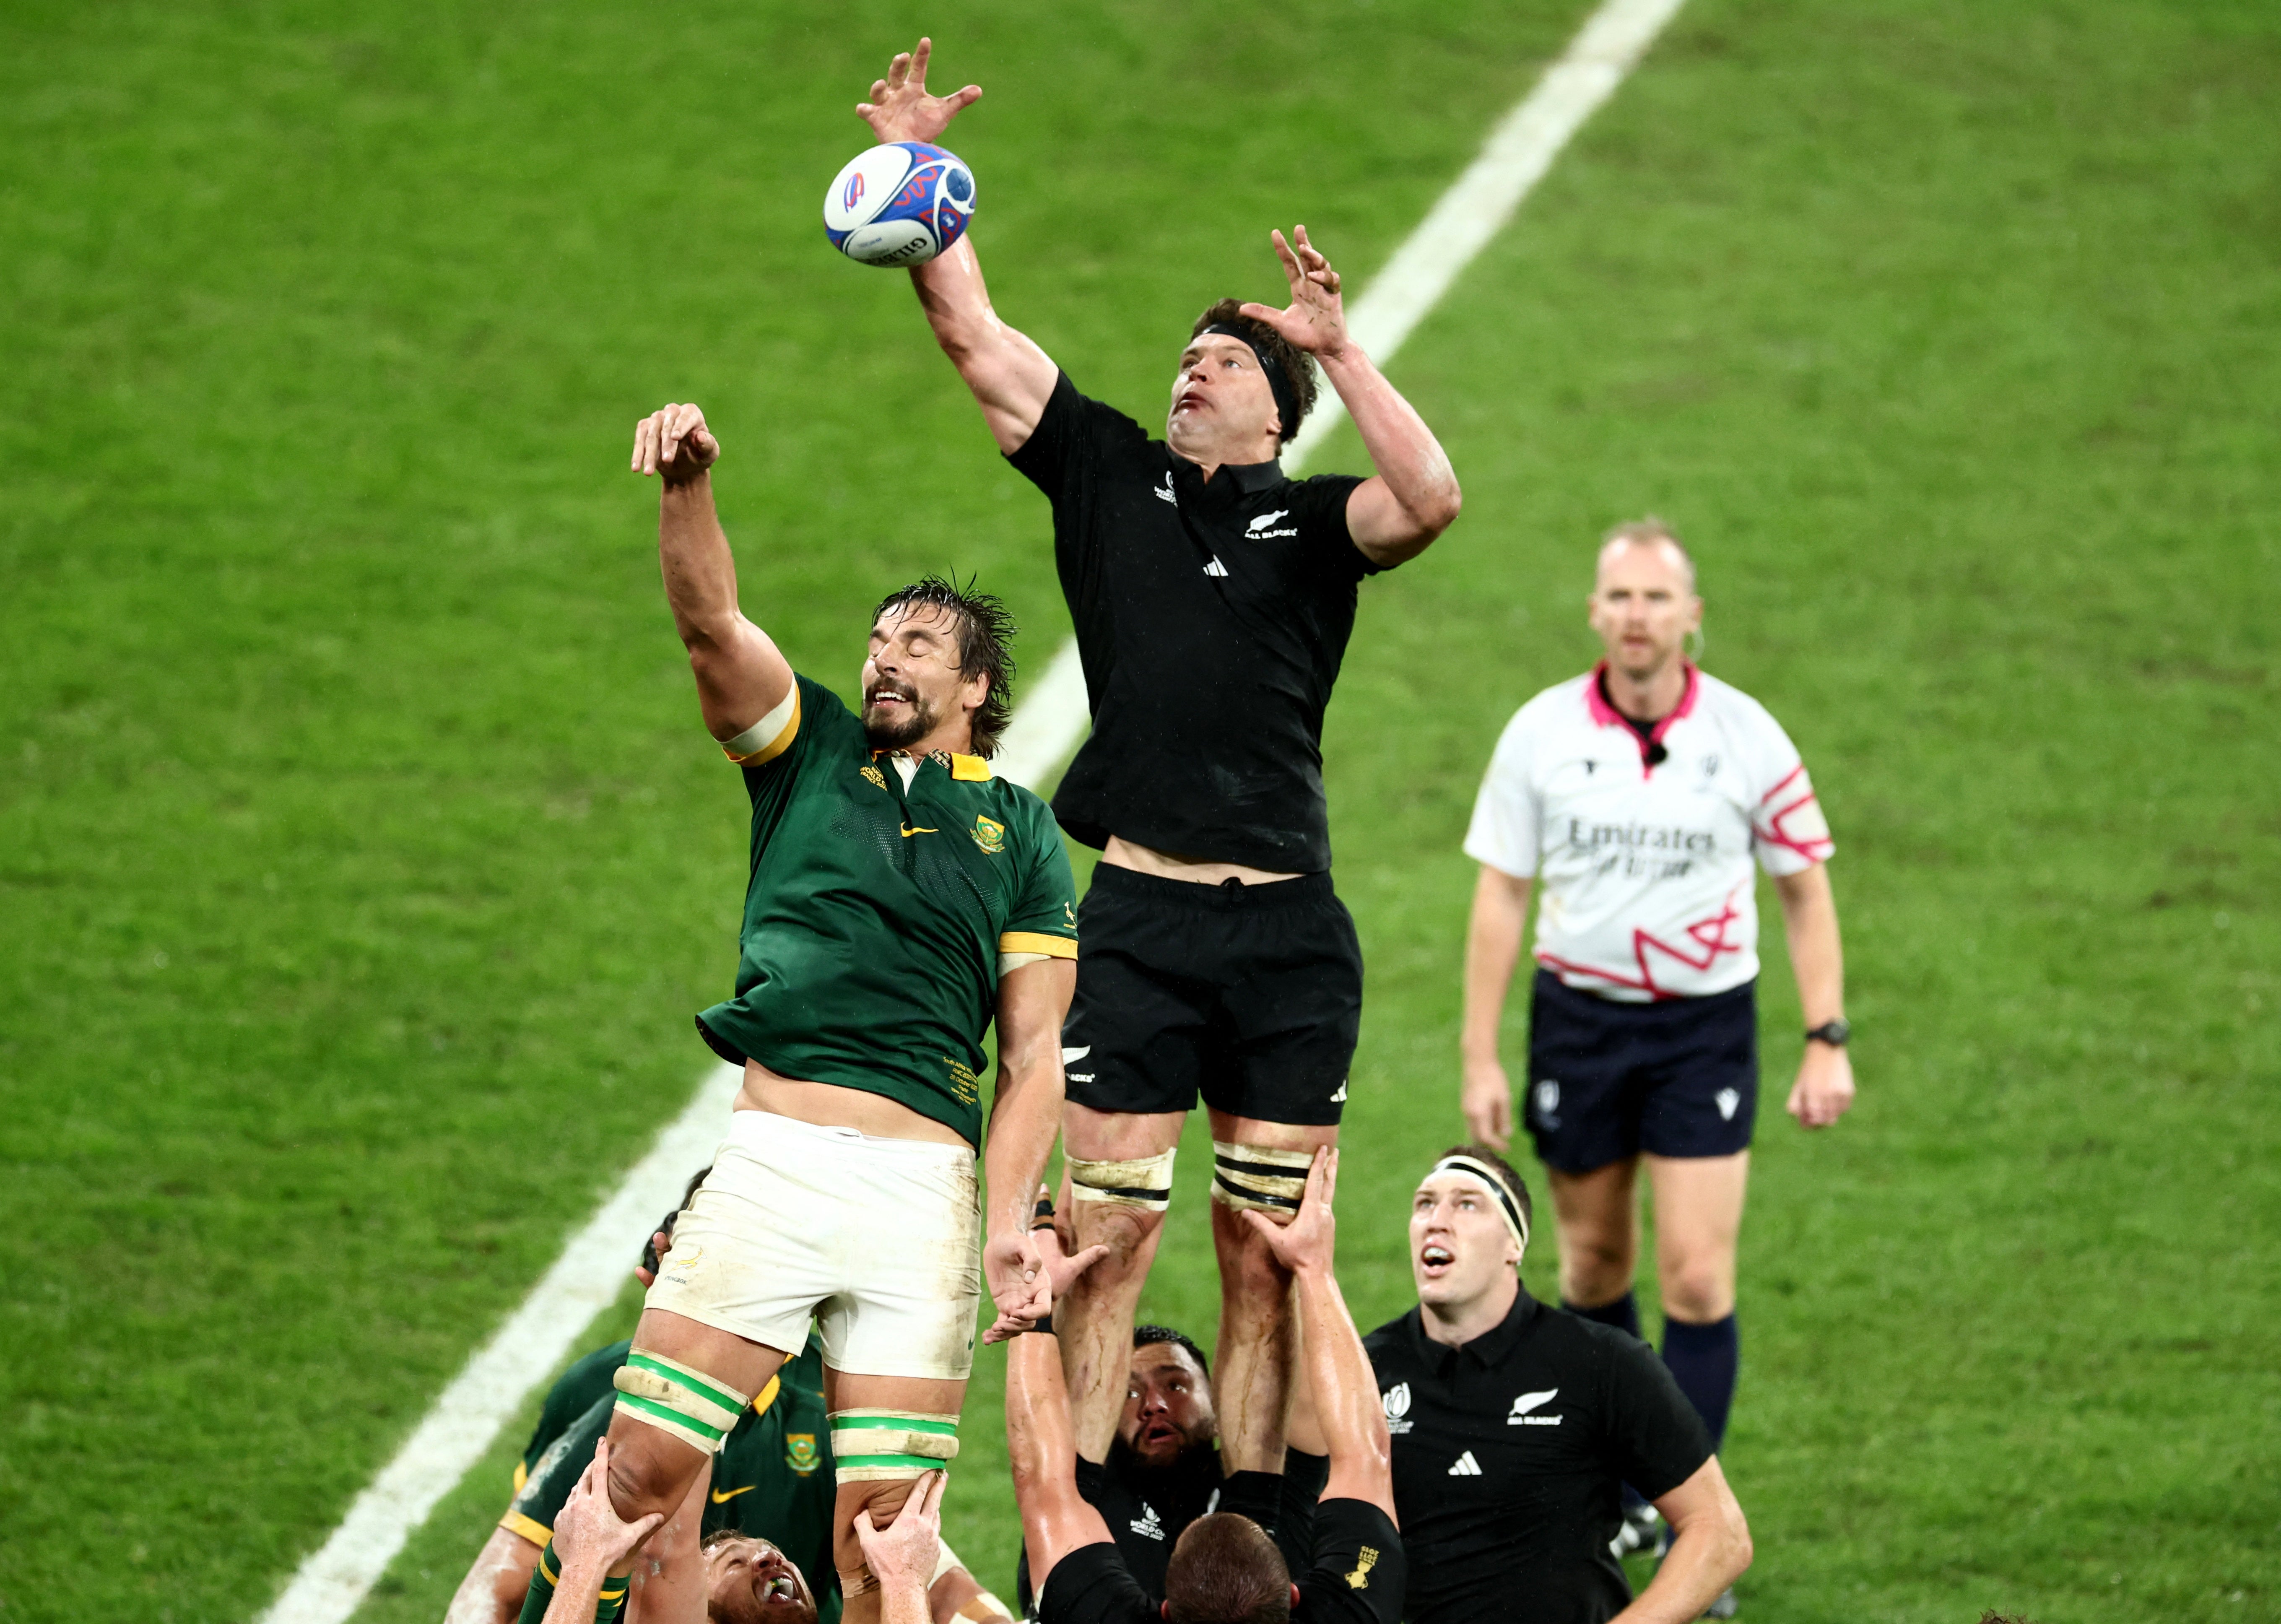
1515	1425
1212	598
1225	1568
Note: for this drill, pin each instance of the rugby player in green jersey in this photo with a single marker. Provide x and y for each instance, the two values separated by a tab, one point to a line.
753	1529
900	899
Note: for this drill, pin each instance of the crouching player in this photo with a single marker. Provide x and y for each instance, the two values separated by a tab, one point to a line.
1225	1568
900	897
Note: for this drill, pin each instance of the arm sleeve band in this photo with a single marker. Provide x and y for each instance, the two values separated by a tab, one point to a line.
765	738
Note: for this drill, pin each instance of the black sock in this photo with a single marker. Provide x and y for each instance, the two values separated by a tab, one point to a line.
1702	1358
1623	1313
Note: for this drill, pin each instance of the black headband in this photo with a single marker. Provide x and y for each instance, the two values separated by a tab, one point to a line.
1287	404
1516	1226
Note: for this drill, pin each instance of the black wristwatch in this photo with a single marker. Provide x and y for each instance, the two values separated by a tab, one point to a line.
1832	1033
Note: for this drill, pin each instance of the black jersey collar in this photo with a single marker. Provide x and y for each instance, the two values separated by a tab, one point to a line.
1487	1350
1249	478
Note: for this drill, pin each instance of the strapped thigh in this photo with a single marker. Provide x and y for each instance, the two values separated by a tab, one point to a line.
1259	1176
1145	1182
678	1399
870	1446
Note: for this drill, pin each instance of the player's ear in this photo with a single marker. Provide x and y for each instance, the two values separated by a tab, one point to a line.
1295	1600
1165	1612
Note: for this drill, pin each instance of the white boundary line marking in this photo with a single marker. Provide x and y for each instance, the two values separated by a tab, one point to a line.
461	1424
333	1582
1053	718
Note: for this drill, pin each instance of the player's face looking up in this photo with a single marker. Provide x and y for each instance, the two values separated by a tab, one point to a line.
1223	410
912	683
748	1581
1167	1406
1459	1246
1643	605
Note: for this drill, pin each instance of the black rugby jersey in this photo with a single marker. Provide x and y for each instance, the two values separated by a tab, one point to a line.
1212	619
1355	1576
1509	1456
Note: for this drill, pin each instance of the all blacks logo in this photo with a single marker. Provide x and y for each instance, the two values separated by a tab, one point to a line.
1396	1400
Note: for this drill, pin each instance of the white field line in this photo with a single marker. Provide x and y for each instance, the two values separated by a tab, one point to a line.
1044	731
1053	719
462	1422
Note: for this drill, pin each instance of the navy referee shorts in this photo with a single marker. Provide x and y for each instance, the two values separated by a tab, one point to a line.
1608	1080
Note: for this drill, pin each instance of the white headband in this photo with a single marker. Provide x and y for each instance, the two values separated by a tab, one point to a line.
1508	1209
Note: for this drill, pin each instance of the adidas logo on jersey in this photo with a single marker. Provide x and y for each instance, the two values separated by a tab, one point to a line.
1466	1467
1216	568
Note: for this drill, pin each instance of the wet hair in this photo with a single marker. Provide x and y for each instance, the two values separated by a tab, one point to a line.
986	644
1150	1336
1225	1570
1298	370
1514	1185
1646	532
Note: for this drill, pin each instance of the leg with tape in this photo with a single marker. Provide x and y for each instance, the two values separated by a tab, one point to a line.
1252	1363
876	1456
1120	1182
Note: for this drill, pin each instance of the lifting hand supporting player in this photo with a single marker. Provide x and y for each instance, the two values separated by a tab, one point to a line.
1220	965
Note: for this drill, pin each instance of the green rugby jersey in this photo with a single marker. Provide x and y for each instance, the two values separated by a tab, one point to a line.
772	1479
875	914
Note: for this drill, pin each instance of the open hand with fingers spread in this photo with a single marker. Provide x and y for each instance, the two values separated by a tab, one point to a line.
675	444
901	110
1315	320
588	1530
902	1555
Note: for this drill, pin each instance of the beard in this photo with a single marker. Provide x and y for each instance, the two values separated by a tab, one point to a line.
1184	1484
897	732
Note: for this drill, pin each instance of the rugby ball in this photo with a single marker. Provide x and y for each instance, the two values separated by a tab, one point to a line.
902	204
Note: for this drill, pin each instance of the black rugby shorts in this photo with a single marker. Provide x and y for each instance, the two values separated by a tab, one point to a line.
1608	1080
1249	996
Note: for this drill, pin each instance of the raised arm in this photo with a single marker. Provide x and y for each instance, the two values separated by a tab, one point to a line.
1041	1449
1010	377
741	678
1824	1089
1025	1117
1492	949
1414	497
1345	1391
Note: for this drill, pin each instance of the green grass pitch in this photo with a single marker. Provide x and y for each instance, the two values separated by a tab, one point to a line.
361	859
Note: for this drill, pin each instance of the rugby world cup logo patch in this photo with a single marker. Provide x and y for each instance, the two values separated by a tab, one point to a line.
1396	1400
1548	1103
989	834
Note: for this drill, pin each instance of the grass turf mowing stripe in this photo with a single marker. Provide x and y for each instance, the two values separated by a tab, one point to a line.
1043	731
1052	720
468	1415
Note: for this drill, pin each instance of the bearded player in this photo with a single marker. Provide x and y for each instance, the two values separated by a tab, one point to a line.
900	898
1212	598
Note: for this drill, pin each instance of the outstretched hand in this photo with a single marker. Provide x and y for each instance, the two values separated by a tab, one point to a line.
901	110
588	1527
675	444
1311	1238
1036	1271
901	1556
1315	320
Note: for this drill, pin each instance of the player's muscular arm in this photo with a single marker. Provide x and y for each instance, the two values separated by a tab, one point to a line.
1011	376
1824	1089
1026	1114
1394	516
1041	1449
1492	950
740	675
1345	1392
1710	1546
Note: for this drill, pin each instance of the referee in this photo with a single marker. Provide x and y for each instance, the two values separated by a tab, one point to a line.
1514	1426
1212	598
1640	795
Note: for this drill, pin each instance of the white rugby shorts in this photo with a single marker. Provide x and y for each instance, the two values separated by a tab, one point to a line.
880	1239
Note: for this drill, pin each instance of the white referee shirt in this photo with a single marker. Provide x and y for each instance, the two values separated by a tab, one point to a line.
1647	889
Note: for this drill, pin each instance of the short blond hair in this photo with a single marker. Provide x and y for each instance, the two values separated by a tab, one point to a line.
1647	532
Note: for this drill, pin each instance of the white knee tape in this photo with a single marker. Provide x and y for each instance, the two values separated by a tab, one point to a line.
871	1446
1146	1183
678	1399
1254	1176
